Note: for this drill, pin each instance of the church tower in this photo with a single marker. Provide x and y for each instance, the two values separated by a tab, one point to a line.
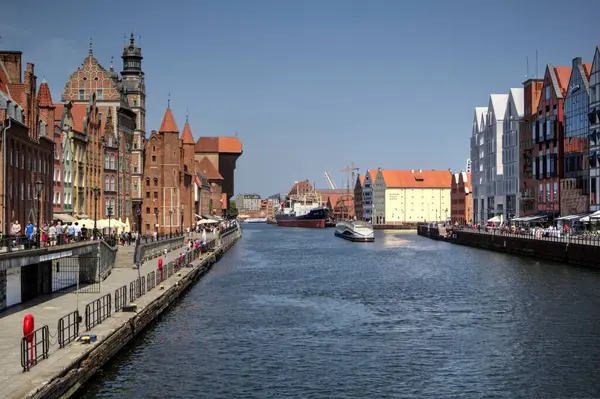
135	89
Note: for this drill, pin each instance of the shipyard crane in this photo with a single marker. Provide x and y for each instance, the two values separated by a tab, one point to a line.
329	181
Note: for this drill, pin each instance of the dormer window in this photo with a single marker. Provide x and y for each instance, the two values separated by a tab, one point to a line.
81	94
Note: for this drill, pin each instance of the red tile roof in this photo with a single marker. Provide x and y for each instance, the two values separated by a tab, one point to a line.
563	74
17	92
417	179
209	170
44	97
168	124
186	136
587	68
362	179
228	145
78	112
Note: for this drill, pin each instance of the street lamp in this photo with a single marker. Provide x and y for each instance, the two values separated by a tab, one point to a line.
39	185
109	212
156	226
170	223
96	196
181	229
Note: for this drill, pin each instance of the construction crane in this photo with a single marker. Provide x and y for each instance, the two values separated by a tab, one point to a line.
351	169
329	181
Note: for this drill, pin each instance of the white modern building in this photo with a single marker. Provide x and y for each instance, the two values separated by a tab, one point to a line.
477	161
368	194
513	117
594	129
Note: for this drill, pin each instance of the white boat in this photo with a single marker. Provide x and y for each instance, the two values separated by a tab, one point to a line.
357	231
256	220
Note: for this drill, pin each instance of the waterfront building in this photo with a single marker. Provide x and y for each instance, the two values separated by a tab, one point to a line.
248	202
574	187
493	163
461	205
201	195
548	133
593	118
358	197
411	196
168	183
367	194
91	78
215	180
513	116
223	153
527	184
477	165
27	120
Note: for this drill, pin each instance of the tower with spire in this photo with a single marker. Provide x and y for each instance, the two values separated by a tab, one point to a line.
135	89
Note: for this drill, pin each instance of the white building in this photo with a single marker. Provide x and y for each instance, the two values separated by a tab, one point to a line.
594	129
477	161
515	109
368	194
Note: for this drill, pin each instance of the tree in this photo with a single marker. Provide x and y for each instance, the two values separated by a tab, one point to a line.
233	211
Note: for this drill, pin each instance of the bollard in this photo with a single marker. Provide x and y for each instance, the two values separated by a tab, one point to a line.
28	329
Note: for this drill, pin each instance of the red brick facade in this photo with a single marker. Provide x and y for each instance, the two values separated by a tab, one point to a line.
461	201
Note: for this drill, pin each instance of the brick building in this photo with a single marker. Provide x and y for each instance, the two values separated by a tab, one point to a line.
27	119
168	204
548	133
527	185
461	200
202	196
574	187
112	96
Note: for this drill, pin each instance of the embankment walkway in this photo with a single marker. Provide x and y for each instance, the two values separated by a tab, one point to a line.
15	383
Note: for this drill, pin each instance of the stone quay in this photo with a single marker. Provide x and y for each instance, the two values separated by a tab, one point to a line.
123	306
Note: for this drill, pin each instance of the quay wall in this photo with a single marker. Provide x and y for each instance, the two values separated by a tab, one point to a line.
83	368
574	253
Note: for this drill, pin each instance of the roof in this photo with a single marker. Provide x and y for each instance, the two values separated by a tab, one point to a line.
516	96
44	97
17	92
209	170
563	74
221	144
417	178
186	136
168	124
497	105
479	111
361	178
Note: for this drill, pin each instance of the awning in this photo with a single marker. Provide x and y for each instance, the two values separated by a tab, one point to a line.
529	219
198	216
495	219
206	221
63	217
573	217
587	218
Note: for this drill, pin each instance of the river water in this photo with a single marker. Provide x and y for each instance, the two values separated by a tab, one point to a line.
299	313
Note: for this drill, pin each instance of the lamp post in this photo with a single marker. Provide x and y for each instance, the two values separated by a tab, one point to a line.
170	223
138	216
96	196
156	225
181	229
109	212
39	185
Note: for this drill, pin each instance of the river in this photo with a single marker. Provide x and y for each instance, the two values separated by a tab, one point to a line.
299	313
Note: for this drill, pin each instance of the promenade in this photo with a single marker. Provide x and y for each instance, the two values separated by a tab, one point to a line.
14	383
584	239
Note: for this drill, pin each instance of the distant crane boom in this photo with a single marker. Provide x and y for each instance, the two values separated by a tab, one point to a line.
329	181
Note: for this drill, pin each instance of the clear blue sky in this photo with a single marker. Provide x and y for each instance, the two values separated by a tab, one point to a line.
312	85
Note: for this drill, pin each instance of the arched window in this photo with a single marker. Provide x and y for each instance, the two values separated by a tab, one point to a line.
155	181
147	182
112	183
106	184
112	161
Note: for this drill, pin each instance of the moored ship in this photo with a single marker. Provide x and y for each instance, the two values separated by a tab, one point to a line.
357	231
315	218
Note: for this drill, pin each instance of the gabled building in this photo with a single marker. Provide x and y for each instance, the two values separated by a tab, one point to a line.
215	180
29	146
548	131
358	197
477	165
493	167
367	192
201	195
574	187
593	118
461	211
527	184
513	118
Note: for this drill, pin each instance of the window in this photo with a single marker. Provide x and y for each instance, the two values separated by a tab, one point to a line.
548	92
81	94
155	182
135	169
113	185
106	162
99	117
100	94
153	158
156	194
107	183
110	141
112	161
135	102
148	208
147	194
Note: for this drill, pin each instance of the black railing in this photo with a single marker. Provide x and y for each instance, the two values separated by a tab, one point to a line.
132	292
68	328
581	237
35	347
149	238
150	280
138	288
120	298
169	269
142	285
98	311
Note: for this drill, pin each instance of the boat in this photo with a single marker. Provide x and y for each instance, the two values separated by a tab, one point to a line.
357	231
256	220
315	218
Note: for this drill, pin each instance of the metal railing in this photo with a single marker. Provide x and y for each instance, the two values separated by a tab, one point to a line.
150	280
132	292
35	347
120	298
68	328
97	311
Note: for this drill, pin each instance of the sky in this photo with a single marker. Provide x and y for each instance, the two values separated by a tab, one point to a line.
313	86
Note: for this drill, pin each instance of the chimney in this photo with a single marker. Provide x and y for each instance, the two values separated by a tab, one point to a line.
12	63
